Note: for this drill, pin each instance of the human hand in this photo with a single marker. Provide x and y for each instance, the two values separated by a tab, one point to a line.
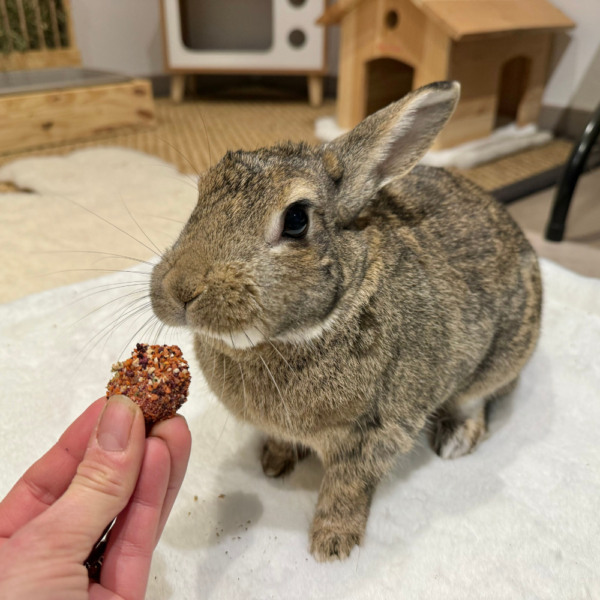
102	466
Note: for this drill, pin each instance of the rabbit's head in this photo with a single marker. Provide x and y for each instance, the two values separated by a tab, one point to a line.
275	242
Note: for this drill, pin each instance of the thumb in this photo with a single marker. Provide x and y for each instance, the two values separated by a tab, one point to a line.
103	484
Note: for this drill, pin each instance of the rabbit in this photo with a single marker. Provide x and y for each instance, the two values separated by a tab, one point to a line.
343	298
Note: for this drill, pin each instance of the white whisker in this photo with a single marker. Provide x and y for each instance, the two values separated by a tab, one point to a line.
276	386
243	382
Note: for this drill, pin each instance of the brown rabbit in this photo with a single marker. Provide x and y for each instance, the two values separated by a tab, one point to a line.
342	297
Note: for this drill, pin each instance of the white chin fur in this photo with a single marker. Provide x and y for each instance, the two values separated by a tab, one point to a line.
304	335
242	340
239	340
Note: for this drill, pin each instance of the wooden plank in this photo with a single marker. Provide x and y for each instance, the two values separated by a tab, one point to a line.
177	88
23	22
38	24
435	62
405	41
6	25
40	59
357	43
31	120
54	20
385	29
315	90
347	85
467	18
335	13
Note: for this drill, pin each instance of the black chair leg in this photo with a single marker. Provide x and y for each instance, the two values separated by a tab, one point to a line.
555	229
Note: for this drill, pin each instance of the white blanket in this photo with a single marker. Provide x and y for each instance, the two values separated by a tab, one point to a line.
519	518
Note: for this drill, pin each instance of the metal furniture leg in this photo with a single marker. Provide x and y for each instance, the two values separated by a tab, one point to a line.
555	229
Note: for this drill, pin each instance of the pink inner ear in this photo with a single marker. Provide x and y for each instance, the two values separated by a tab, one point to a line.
414	130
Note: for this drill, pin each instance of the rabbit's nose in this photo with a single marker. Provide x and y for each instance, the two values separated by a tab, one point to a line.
186	295
186	303
189	297
222	298
183	288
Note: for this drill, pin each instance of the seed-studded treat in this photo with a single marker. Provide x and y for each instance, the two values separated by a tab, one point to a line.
156	378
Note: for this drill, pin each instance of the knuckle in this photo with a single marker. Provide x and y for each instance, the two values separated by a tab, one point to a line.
38	492
100	477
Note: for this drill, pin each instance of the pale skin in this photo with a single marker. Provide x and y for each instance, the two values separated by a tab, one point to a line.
102	467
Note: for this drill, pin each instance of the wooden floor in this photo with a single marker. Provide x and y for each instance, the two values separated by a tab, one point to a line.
580	251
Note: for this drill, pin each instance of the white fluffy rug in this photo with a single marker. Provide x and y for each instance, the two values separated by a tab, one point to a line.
43	231
502	142
516	519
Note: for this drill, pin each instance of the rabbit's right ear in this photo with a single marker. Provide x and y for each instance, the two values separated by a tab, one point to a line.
387	145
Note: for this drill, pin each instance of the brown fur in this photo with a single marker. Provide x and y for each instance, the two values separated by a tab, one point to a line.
430	295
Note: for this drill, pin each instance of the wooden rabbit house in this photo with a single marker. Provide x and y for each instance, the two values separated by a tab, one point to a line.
498	50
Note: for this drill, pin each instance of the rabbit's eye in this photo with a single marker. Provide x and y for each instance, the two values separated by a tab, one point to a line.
296	221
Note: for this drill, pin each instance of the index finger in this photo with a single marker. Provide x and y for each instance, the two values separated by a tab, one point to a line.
47	479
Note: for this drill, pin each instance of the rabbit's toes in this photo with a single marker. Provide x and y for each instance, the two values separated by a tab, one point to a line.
327	545
452	438
280	458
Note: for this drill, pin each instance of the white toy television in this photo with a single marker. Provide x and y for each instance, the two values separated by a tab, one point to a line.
244	36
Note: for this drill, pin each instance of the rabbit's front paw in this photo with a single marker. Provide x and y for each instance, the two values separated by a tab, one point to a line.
327	544
279	458
452	439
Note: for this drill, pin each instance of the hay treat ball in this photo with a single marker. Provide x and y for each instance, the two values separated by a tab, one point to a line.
156	378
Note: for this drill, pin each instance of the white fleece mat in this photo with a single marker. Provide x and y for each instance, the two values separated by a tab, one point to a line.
519	518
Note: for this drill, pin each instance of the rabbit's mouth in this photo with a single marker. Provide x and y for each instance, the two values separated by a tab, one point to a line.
221	302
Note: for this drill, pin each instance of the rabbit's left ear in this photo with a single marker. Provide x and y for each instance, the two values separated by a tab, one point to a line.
388	144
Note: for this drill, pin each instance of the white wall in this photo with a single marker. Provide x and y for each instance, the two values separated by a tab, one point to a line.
123	36
574	81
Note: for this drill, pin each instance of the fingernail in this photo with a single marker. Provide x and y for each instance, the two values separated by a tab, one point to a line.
115	424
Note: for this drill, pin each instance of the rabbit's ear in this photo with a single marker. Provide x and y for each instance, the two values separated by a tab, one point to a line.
388	144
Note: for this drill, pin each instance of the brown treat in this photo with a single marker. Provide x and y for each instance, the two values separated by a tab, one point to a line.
156	378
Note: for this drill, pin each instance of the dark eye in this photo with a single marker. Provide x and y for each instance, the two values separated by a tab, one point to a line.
296	222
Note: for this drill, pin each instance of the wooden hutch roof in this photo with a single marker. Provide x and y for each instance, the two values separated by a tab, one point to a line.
462	19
